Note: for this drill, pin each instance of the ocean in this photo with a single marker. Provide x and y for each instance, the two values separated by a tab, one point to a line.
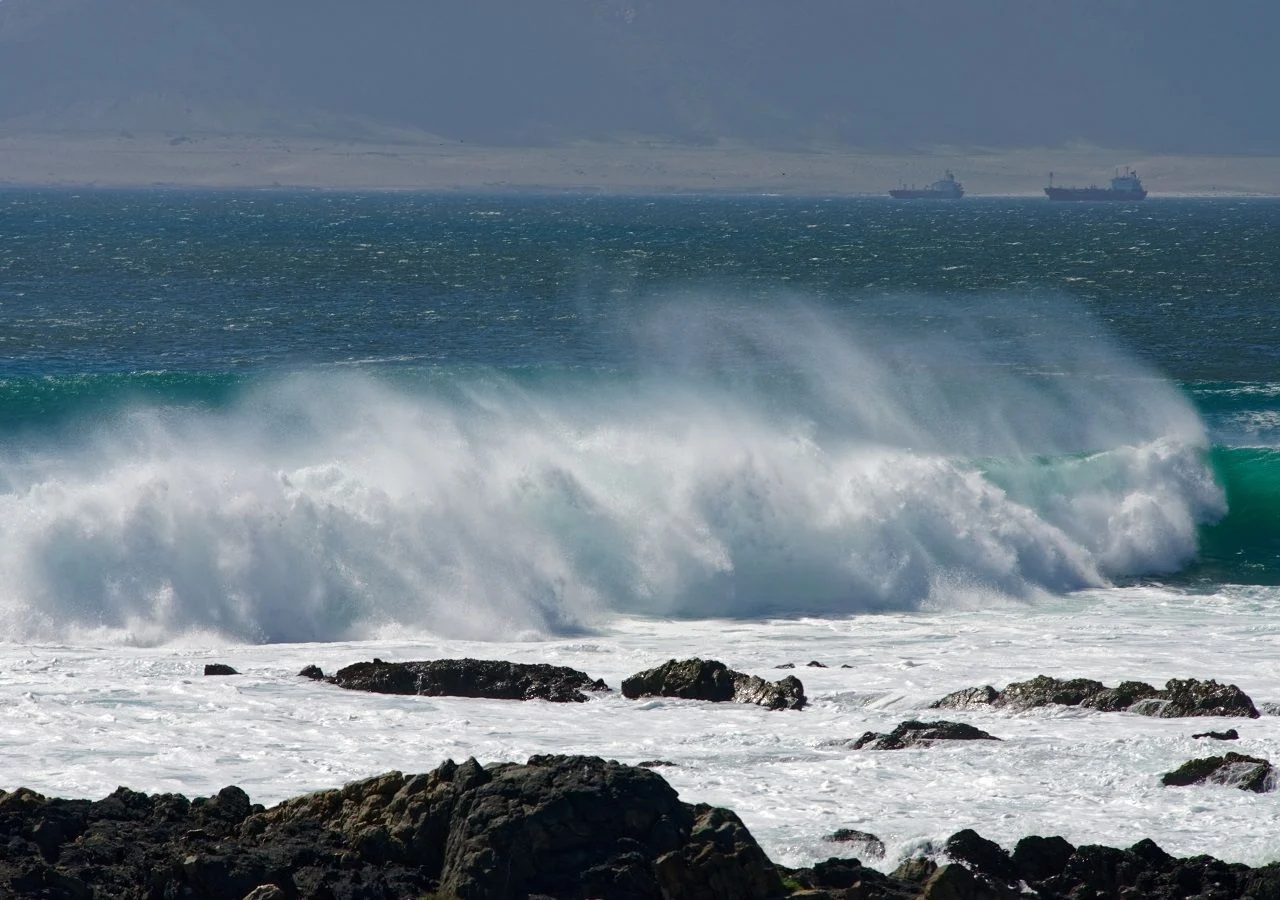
929	445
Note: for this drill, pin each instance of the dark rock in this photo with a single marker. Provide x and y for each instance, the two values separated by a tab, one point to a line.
559	826
1233	770
555	827
1121	697
958	883
655	764
845	666
814	664
968	698
219	669
864	842
1180	697
1151	853
1229	735
921	734
1189	697
1043	691
982	855
696	679
847	878
916	870
785	666
492	679
1038	858
313	672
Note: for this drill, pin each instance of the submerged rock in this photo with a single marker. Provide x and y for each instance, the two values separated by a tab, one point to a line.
697	679
1180	697
1249	773
1229	735
921	734
492	679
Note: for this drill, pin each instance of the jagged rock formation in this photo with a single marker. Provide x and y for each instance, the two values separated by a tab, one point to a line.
697	679
1180	697
1249	773
564	826
921	734
557	826
970	867
492	679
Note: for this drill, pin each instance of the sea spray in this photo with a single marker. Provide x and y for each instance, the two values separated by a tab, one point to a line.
757	463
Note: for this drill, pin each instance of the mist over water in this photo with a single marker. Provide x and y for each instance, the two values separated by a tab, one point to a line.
756	462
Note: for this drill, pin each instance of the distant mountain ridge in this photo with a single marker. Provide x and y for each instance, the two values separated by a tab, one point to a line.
516	73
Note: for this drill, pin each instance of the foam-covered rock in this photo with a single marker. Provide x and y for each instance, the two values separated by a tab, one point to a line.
1179	698
921	734
1249	773
698	679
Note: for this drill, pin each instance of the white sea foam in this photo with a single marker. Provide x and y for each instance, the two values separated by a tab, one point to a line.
765	464
78	721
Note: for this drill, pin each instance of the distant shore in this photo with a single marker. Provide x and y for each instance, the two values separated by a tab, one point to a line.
218	161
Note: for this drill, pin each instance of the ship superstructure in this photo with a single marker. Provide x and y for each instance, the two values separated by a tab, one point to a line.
946	188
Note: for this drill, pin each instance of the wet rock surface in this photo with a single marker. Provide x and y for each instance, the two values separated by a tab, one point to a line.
219	669
560	826
973	868
1229	735
861	842
1249	773
697	679
1179	698
921	734
491	679
557	826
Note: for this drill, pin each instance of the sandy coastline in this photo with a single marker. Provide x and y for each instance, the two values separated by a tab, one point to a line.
216	161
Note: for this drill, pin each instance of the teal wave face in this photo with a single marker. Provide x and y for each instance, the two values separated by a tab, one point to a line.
1243	547
72	402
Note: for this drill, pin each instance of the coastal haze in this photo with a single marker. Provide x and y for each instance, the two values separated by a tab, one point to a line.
629	95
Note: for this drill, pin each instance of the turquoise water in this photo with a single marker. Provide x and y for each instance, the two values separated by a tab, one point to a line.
287	414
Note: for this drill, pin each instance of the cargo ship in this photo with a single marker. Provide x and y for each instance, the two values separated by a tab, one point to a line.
947	188
1123	187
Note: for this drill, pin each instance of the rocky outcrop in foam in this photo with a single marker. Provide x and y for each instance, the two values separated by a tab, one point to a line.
698	679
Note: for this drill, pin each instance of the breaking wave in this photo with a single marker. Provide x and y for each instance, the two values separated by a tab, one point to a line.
760	463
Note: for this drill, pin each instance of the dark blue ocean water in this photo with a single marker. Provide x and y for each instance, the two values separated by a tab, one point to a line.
111	282
689	405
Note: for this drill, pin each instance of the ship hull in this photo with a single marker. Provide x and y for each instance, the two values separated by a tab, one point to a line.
909	194
1059	193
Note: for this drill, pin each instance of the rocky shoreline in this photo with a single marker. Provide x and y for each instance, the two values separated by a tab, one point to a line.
553	827
563	826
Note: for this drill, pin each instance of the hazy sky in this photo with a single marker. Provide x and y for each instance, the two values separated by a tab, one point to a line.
1163	76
